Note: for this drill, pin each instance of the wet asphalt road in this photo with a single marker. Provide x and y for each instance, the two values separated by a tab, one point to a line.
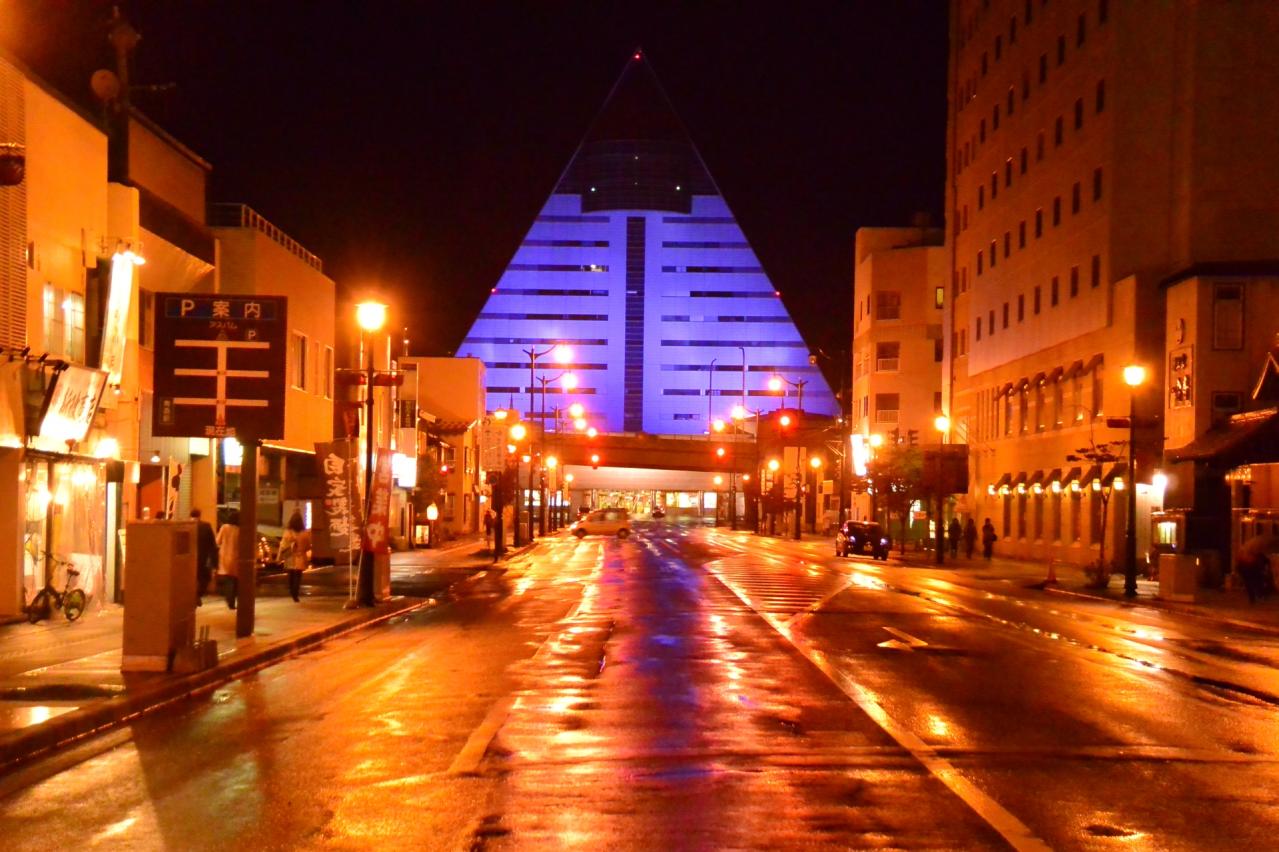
699	689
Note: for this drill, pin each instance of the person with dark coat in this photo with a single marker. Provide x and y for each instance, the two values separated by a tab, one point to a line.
953	533
988	539
206	555
970	537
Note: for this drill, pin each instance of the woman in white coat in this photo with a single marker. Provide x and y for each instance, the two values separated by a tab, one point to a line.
229	557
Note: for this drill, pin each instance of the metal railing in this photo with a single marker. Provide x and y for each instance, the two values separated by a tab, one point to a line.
244	216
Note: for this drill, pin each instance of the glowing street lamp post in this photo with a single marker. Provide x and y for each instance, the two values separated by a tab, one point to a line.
370	316
815	462
569	382
1134	375
518	432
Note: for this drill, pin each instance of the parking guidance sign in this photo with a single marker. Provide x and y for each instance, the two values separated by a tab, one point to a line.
219	366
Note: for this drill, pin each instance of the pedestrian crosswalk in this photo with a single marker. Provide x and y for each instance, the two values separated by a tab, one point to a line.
779	587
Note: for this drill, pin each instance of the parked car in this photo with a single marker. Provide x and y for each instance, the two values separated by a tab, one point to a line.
604	522
659	512
861	537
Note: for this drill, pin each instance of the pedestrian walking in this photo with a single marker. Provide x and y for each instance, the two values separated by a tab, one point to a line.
988	539
953	533
488	523
295	552
970	537
1252	561
206	555
228	542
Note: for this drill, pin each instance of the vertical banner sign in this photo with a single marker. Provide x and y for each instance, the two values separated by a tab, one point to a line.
219	366
341	508
116	323
72	403
376	534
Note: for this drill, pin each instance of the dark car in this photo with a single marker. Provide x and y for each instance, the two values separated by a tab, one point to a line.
659	512
861	537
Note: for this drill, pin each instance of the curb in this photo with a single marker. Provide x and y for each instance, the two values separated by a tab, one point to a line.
22	746
1167	606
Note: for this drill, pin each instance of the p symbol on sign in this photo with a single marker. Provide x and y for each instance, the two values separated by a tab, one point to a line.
188	305
251	334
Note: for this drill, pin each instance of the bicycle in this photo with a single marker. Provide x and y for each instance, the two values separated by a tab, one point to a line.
70	601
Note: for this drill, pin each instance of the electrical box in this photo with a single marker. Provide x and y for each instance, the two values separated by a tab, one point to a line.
159	594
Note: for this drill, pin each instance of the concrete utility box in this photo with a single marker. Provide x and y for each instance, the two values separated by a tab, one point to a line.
1178	576
159	598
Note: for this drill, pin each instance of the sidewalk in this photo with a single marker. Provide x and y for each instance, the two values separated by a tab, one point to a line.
1225	606
61	681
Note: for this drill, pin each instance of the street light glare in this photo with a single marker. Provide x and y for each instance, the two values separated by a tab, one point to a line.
775	384
876	440
1134	374
562	354
718	425
518	432
942	423
575	410
774	464
815	461
591	432
551	462
569	381
370	316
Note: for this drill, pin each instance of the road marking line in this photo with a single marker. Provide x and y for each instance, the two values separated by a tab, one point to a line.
912	642
1014	831
468	759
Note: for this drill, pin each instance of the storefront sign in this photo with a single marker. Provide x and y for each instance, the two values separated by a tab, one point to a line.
376	534
1181	374
116	322
220	366
341	502
73	403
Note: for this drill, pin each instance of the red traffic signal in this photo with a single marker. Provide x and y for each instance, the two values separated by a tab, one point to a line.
595	461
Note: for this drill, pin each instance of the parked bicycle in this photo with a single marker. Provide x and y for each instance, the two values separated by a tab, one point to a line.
70	600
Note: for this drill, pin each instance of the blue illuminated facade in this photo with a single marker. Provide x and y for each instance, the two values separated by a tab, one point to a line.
636	264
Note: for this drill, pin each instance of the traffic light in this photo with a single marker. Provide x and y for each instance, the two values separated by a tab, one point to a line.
595	461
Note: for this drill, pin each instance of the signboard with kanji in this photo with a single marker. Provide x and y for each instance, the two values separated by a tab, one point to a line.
219	365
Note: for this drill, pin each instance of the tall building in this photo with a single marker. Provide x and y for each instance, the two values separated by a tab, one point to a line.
637	270
899	286
1097	151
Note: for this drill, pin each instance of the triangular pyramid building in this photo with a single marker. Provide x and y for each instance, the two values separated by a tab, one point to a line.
636	265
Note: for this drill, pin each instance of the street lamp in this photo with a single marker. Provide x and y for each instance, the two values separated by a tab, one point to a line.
815	462
1134	375
370	317
942	424
432	515
518	433
569	382
776	382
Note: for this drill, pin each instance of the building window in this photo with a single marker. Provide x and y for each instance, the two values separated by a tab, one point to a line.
1012	30
1025	160
979	262
1057	211
1096	184
1076	198
1098	391
1227	316
1096	270
963	341
1008	413
888	356
1074	281
994	256
977	331
1056	412
1076	514
888	305
1079	113
994	119
1012	98
73	322
1059	132
999	47
1039	222
1023	411
1029	14
963	280
1103	11
1077	397
1021	234
981	130
297	355
887	406
938	349
1008	244
1036	300
1053	293
407	413
1021	307
1008	172
990	322
1061	51
1082	30
1101	95
1005	316
1039	407
1039	147
328	372
939	297
1025	86
1043	68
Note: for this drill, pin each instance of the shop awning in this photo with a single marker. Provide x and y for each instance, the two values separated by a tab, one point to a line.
1116	470
1038	377
1005	388
1248	438
1054	374
1072	475
1093	363
1054	475
1036	478
1073	370
1003	481
1092	473
1019	479
1021	383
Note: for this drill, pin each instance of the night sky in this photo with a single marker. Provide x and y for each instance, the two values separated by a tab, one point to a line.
410	144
